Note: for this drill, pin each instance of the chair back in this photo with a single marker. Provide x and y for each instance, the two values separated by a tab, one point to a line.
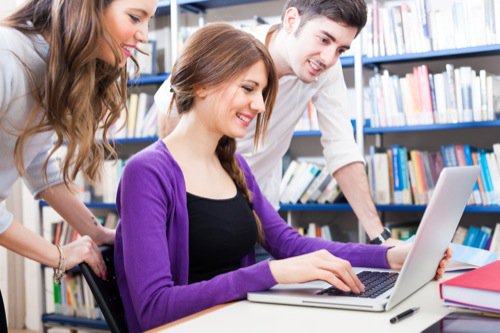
106	292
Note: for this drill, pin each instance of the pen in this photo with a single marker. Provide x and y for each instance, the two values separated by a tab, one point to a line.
404	315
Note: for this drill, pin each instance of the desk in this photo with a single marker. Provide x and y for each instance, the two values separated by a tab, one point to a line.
244	316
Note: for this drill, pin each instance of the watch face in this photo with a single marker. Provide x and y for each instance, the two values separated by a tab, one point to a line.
386	234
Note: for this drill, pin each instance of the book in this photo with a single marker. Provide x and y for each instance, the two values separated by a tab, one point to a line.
495	240
467	257
322	179
302	177
472	236
460	234
478	289
287	176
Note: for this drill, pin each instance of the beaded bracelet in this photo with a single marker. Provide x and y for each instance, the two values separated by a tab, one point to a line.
60	270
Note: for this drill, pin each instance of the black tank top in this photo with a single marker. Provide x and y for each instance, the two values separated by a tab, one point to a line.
221	233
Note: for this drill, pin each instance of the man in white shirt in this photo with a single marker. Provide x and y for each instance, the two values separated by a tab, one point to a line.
306	48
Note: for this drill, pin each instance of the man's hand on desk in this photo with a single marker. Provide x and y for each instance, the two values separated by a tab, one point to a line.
319	265
397	255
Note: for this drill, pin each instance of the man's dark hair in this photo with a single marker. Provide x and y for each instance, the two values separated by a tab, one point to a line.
347	12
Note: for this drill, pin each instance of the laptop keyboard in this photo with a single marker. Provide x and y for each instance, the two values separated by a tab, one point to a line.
376	283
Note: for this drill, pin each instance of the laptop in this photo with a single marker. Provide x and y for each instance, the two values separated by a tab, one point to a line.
436	229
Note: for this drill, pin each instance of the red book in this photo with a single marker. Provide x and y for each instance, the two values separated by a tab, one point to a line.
479	288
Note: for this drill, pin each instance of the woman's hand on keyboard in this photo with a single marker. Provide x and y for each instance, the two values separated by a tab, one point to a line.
319	265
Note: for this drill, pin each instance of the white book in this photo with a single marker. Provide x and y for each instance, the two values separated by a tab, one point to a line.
311	230
475	20
133	103
440	93
382	194
497	20
496	97
287	176
326	233
141	113
495	240
490	24
388	31
495	176
316	194
110	181
458	94
490	114
484	94
315	184
304	180
294	180
460	234
460	25
330	192
466	92
397	23
476	97
451	98
496	151
331	196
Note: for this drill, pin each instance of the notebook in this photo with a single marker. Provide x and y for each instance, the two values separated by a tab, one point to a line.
435	231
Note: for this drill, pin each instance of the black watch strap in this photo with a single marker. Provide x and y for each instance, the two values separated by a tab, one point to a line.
386	234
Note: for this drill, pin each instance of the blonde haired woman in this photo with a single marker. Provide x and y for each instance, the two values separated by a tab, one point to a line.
62	75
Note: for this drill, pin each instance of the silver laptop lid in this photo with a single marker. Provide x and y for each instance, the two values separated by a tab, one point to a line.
436	229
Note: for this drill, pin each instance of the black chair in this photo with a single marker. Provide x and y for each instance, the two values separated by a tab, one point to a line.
106	292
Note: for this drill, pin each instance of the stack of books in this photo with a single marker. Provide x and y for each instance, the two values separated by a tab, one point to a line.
478	289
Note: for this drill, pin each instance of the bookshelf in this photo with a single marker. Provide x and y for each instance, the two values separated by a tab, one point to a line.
477	52
343	207
481	134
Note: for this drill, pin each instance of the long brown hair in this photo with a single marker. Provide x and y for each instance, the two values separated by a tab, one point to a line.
212	56
80	93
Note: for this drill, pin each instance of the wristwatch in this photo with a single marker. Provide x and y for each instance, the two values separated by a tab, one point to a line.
386	234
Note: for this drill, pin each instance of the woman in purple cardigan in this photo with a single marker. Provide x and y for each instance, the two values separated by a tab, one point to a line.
191	211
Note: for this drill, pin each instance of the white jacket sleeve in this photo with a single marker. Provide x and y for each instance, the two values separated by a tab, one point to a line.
333	108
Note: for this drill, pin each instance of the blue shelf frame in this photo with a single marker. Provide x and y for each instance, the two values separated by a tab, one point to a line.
432	127
148	79
125	141
341	207
368	130
317	133
347	61
306	134
90	205
344	207
70	321
476	51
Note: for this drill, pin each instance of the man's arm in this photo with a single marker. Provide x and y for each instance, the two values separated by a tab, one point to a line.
353	182
76	214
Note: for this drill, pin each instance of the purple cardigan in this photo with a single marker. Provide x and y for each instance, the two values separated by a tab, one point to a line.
151	246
